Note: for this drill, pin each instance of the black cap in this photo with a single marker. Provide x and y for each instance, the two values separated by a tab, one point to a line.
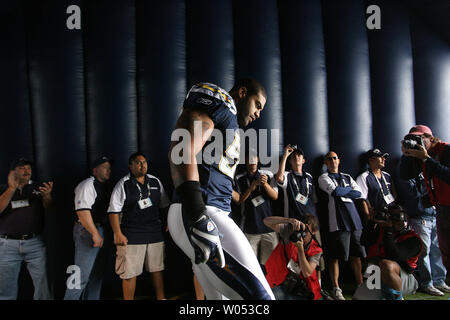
21	162
100	161
297	150
376	153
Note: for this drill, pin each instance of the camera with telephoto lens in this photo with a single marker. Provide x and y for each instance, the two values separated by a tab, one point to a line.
382	214
412	141
297	287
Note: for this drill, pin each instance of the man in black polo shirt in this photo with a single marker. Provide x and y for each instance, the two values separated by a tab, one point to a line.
134	214
22	209
91	233
255	190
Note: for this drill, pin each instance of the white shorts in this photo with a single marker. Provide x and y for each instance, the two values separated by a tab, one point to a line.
242	277
409	286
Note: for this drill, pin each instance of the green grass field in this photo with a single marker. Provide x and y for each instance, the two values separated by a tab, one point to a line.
348	292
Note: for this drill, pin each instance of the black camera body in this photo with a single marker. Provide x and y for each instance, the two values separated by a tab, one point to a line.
297	287
412	141
382	214
297	235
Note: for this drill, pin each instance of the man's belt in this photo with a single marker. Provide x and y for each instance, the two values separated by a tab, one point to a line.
19	237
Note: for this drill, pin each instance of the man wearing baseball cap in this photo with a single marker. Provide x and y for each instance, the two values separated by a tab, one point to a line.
22	212
431	157
91	233
376	185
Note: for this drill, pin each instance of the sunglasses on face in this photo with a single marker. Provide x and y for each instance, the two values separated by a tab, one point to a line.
331	158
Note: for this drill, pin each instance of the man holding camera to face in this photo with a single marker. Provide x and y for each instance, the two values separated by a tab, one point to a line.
23	203
395	249
255	190
291	268
426	154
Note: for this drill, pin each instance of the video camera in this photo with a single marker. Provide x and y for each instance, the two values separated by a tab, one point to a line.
412	141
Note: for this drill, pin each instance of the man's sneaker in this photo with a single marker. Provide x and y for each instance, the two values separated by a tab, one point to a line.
336	293
443	287
432	291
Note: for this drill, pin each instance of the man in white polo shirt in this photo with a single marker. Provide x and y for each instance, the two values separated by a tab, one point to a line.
376	186
91	234
345	225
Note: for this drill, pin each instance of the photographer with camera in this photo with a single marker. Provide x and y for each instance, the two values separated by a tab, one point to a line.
422	219
426	154
254	191
297	185
291	268
395	248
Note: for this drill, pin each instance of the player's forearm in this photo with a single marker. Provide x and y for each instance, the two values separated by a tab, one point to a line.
182	154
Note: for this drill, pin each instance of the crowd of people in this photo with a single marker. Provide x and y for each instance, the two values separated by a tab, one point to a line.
252	251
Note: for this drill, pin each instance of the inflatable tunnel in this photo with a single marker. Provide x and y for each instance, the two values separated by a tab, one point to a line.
82	78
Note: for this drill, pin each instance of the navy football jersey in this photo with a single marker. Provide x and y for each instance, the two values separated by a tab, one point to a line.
216	171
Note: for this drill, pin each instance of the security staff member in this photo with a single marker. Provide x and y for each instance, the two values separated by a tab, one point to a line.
22	209
345	225
255	191
137	199
91	232
376	186
297	186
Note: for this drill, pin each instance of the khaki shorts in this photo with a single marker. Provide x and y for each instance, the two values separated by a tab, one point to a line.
130	259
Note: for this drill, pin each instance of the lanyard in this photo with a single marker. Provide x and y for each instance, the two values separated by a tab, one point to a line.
342	179
249	183
296	184
140	191
379	184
